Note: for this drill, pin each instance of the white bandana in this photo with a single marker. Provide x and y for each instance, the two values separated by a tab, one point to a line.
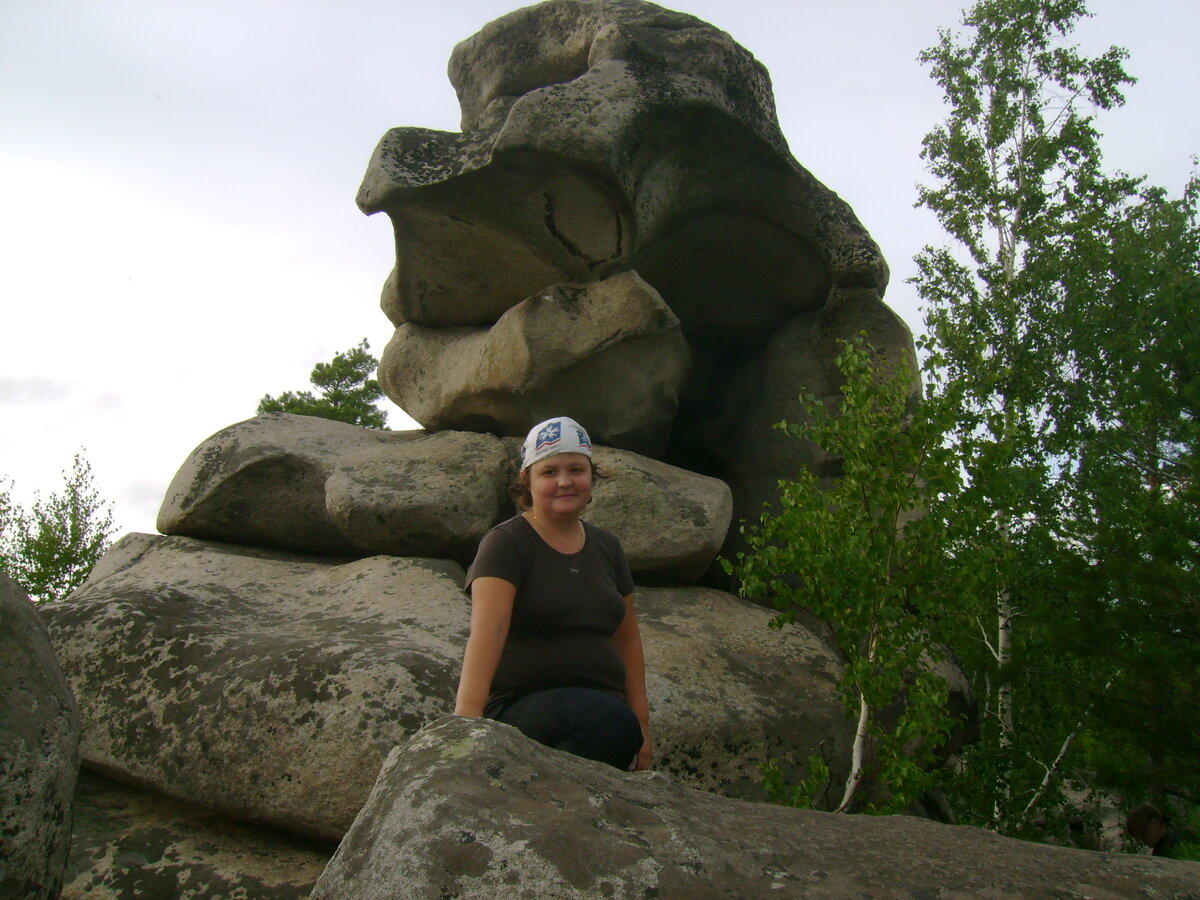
558	435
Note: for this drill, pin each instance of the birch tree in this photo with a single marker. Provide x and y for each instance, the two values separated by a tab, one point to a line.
1012	311
858	555
1054	458
50	548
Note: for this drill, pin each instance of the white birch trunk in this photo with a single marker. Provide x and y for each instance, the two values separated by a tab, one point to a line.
1065	748
1004	697
856	758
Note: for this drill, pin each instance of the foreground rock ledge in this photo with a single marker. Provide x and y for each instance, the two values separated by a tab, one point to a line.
472	809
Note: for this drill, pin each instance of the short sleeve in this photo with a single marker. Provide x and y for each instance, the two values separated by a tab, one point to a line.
497	557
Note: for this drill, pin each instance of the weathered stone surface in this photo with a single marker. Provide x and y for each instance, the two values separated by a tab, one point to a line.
609	354
270	687
434	496
39	753
671	521
319	486
129	842
598	135
263	685
472	809
727	692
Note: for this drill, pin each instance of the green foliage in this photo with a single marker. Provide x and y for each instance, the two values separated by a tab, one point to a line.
1058	556
856	554
801	796
50	548
1135	502
1189	848
1060	348
346	391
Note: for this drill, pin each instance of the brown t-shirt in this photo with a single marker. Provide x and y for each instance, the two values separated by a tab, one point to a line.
567	607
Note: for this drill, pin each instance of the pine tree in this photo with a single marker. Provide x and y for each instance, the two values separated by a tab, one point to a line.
346	391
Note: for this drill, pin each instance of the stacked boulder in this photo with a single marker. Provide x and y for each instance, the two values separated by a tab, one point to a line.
306	614
620	234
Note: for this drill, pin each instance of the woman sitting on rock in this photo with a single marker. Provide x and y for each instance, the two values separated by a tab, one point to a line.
554	648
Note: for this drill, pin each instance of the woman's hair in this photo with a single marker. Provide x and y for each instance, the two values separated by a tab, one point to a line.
519	489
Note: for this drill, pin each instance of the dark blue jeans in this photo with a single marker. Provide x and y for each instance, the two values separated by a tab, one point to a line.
582	721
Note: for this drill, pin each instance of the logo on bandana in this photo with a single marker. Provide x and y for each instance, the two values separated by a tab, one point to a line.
558	435
548	437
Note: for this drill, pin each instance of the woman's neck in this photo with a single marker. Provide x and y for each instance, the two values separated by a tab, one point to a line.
565	534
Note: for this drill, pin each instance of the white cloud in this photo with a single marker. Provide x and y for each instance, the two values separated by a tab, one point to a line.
32	389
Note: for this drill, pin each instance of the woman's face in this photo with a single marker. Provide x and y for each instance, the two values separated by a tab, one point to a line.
560	485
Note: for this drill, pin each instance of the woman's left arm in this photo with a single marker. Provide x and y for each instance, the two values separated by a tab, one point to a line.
628	640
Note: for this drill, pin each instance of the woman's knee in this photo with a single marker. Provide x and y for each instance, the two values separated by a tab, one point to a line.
581	721
604	728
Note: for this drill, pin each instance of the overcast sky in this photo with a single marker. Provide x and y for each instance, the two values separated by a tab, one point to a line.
178	234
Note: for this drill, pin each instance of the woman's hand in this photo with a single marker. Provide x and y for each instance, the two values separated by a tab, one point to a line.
641	762
628	641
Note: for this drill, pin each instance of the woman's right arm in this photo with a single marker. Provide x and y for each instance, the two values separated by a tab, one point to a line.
491	614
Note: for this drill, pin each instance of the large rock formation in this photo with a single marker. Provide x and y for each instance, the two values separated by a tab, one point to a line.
618	234
602	138
473	809
39	753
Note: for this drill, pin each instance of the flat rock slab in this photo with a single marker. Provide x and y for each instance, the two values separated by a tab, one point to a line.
261	684
132	843
472	809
